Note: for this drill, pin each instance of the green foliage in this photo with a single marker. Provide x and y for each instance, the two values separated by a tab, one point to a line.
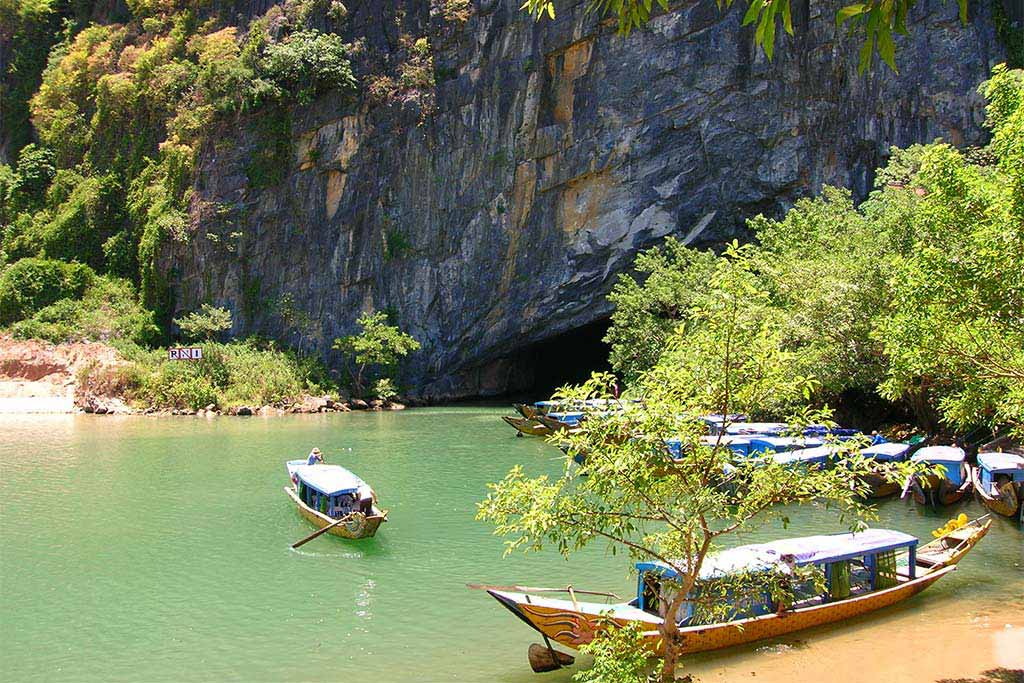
385	389
270	160
107	311
647	314
229	375
34	283
396	245
307	63
378	347
875	21
205	324
1012	37
915	294
955	336
619	656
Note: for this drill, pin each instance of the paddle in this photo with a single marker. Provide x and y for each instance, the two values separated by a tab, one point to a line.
324	530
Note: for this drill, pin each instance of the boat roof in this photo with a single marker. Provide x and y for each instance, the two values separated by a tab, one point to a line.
784	441
805	550
1002	463
939	454
755	427
886	451
329	480
816	454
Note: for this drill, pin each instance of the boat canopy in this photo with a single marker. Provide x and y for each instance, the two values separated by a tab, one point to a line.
755	428
780	444
819	455
1003	463
886	451
940	454
328	480
805	550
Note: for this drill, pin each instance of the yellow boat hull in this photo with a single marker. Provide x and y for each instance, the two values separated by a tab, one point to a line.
360	526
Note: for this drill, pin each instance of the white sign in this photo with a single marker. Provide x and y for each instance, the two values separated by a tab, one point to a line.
193	353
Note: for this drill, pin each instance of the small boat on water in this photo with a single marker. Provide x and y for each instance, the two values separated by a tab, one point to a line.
782	444
561	422
940	489
864	572
999	482
325	494
530	426
884	452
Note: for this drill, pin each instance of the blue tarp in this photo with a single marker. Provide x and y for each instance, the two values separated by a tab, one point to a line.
887	452
329	480
1001	463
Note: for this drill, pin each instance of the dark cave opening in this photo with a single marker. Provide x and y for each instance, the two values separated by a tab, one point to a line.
566	358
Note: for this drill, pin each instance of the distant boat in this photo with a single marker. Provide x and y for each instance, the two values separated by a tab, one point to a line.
528	426
862	570
561	422
944	489
884	452
324	494
999	482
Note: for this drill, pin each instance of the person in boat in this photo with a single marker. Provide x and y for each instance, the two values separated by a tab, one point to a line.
877	438
315	456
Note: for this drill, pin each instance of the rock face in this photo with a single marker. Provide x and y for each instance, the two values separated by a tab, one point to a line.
495	208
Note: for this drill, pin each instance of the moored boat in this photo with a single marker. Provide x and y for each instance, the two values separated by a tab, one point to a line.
884	453
999	481
863	573
527	426
947	487
325	494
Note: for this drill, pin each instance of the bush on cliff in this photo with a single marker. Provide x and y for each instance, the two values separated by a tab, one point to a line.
247	373
33	283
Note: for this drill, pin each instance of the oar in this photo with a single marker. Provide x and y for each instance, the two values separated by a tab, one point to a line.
324	530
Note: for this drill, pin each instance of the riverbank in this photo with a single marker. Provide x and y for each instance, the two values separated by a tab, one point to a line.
240	379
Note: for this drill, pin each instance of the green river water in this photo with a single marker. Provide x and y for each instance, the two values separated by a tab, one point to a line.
145	549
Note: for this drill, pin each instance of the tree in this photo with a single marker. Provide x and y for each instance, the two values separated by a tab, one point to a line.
379	346
630	492
204	324
875	20
954	336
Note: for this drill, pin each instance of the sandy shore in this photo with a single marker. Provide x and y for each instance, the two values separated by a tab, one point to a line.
38	377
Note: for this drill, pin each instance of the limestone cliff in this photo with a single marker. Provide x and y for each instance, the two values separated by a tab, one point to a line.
494	207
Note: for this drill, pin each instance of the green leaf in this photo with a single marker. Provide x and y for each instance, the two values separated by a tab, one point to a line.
769	38
866	51
752	12
847	13
787	17
887	48
551	10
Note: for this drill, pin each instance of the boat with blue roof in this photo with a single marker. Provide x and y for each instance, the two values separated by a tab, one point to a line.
885	452
948	484
863	571
999	478
325	494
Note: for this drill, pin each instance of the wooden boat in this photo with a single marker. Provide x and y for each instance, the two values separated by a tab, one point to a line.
867	560
528	426
884	452
324	494
527	411
999	482
945	489
560	422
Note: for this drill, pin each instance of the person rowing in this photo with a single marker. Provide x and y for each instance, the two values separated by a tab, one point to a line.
315	456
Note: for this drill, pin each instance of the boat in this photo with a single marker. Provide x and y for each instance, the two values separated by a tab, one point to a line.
526	410
888	451
863	574
325	494
527	426
999	482
782	444
561	422
940	489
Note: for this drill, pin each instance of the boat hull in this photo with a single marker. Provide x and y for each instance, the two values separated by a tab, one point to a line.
935	491
530	427
360	526
1006	501
574	627
878	487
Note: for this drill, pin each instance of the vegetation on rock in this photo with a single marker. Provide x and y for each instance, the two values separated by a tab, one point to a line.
377	349
916	294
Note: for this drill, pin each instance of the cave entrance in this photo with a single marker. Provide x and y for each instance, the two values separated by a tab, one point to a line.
567	358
